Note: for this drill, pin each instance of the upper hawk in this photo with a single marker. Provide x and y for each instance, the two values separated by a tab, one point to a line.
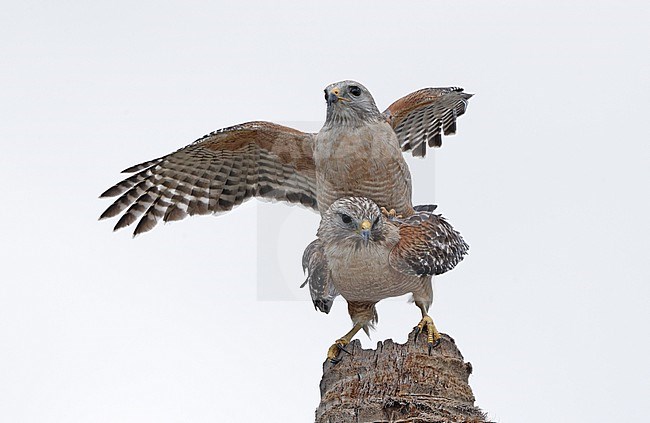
358	152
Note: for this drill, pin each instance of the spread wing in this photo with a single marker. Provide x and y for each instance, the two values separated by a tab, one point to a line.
320	283
421	117
428	244
216	173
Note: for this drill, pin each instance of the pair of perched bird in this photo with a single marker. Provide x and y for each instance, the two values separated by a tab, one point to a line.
372	243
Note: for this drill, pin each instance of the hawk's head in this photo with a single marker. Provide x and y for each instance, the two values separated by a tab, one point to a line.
350	103
354	219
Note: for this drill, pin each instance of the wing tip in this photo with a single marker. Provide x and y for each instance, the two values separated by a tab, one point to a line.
132	169
461	91
323	305
419	150
144	165
113	191
450	129
112	211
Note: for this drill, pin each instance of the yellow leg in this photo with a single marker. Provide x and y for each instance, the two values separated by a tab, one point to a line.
433	336
340	343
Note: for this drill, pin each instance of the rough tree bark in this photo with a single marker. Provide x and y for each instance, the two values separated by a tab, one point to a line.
398	383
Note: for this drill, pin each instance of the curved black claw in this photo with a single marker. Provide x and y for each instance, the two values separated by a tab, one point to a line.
433	345
344	350
437	342
339	347
337	359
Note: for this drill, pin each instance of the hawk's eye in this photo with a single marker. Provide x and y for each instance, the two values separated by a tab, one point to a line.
355	91
376	222
346	219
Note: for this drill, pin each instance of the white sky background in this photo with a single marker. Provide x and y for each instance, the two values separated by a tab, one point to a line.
547	179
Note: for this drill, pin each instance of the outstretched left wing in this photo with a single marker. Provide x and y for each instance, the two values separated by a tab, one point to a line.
428	244
217	173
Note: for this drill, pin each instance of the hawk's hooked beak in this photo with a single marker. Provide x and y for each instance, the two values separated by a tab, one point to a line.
365	230
333	96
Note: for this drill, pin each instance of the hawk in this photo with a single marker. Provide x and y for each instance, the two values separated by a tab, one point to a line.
358	152
367	255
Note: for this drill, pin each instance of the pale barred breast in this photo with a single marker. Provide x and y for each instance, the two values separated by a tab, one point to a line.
357	283
364	161
366	275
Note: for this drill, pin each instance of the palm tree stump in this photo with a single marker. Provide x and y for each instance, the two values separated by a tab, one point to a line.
398	383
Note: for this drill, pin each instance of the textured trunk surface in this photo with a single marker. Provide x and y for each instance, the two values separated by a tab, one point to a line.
398	383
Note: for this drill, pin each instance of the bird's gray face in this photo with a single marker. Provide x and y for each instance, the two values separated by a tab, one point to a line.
355	219
350	101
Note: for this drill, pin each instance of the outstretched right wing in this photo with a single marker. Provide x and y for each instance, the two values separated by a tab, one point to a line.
216	173
420	118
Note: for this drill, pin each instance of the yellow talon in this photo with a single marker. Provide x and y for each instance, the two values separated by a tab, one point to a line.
340	343
390	214
433	336
334	350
